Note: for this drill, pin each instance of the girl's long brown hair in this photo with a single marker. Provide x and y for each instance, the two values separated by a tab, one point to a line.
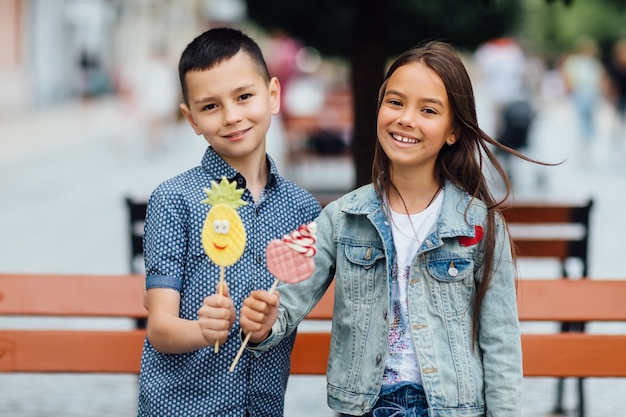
461	163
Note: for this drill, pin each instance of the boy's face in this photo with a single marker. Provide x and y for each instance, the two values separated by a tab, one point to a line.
231	105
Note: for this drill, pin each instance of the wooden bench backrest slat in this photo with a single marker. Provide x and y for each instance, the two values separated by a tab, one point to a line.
72	295
71	351
534	212
571	300
534	248
574	355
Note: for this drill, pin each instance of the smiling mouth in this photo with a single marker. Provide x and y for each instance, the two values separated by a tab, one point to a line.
218	247
403	139
236	135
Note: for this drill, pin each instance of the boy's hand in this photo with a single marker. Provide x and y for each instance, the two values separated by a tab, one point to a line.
216	316
258	314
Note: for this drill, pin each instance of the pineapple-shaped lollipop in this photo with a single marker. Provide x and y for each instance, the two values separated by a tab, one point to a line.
223	234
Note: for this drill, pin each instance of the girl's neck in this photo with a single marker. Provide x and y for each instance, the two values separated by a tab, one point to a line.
410	196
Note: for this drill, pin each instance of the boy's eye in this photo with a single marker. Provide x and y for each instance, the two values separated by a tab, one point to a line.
245	96
209	107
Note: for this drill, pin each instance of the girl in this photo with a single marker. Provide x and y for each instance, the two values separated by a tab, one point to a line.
425	317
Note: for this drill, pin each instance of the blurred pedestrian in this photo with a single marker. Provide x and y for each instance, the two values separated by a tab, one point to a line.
617	77
583	74
157	97
503	69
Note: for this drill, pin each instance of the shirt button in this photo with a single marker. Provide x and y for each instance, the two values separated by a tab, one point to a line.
259	259
385	314
378	358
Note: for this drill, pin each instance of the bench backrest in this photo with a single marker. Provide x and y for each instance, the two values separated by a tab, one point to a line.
551	229
122	296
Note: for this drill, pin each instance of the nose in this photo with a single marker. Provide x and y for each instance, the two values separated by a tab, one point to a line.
407	118
231	115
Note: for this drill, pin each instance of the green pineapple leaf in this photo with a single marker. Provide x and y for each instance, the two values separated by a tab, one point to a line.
225	192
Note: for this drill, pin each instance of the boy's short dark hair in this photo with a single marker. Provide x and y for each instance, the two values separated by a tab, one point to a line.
214	46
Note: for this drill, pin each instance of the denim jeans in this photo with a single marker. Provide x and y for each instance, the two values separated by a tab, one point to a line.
407	401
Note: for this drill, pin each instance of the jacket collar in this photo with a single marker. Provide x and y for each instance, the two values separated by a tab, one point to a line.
453	220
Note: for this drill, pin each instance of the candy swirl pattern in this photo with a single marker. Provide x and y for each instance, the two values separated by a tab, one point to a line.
303	239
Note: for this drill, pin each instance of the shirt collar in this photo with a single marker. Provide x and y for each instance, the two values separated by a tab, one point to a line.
217	168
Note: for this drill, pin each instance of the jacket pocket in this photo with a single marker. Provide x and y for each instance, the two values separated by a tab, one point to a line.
362	265
452	284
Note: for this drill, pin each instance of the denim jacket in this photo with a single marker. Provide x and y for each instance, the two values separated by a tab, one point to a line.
355	248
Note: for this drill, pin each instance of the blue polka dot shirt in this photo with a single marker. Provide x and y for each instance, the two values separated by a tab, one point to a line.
199	383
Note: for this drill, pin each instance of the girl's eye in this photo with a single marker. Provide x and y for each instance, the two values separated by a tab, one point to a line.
394	102
431	111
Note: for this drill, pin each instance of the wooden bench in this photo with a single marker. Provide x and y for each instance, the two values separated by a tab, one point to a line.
121	296
554	230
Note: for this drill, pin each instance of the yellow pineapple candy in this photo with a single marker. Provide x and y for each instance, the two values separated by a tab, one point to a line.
223	234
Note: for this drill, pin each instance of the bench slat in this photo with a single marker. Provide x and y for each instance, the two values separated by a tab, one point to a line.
72	295
71	351
571	300
574	355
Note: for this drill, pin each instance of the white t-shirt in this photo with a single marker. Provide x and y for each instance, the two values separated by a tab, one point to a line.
408	234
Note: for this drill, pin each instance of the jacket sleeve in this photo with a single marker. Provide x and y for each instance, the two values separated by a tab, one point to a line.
499	336
297	300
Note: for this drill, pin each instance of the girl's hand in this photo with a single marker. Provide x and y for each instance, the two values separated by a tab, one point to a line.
216	316
258	314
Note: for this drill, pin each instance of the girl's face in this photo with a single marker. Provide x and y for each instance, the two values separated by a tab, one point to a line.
414	119
231	105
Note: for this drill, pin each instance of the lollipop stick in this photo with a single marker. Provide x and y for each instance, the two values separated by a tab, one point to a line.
220	291
247	339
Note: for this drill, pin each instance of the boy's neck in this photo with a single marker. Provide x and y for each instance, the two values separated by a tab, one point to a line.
256	173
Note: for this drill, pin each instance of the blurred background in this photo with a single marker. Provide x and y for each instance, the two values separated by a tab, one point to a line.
89	117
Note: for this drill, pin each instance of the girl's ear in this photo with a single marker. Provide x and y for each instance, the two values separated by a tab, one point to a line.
451	139
189	117
274	89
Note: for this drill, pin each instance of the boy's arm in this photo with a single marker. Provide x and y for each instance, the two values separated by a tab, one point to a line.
168	333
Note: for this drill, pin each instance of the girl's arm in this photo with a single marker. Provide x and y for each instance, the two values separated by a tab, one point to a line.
499	336
258	314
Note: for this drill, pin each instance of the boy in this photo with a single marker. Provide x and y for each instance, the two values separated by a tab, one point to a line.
229	98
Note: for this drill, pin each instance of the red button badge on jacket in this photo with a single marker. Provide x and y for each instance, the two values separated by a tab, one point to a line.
469	241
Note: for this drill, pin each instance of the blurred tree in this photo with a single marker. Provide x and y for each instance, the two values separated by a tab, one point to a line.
368	33
552	28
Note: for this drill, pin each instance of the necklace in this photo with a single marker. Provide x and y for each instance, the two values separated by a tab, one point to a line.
406	209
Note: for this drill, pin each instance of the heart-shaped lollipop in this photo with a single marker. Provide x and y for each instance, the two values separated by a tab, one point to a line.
290	260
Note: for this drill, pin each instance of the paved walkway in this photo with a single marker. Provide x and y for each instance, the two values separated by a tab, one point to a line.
64	174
